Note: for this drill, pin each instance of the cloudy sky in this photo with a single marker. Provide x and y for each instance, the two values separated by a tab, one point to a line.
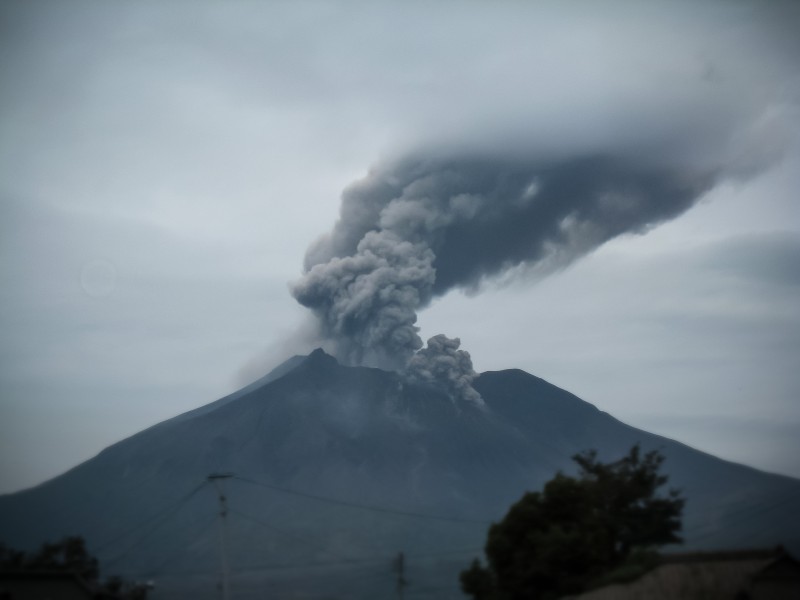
165	165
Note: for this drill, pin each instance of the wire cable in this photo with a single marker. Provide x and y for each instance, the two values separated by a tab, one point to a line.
156	523
747	513
368	507
297	538
150	519
157	571
351	562
744	513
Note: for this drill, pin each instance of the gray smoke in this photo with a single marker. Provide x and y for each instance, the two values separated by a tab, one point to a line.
443	365
416	228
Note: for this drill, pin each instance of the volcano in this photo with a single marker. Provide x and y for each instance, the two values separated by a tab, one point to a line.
329	472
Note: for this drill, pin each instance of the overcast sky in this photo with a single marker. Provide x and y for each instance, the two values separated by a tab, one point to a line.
165	165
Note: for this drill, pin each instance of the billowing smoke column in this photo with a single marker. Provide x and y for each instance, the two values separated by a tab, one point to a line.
415	228
442	364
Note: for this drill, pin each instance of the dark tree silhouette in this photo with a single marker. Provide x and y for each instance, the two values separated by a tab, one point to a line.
70	555
577	530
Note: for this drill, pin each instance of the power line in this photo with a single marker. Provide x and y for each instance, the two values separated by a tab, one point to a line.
357	562
369	547
747	513
756	509
157	520
433	590
277	530
150	519
168	512
157	571
369	507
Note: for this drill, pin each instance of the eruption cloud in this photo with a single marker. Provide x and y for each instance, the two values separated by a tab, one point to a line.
442	364
415	228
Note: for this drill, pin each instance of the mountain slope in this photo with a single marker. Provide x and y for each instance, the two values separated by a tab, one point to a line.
340	468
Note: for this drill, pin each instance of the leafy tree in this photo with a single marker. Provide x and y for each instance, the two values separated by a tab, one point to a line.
70	555
578	530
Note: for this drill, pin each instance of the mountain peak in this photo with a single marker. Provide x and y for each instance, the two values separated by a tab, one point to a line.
318	353
320	357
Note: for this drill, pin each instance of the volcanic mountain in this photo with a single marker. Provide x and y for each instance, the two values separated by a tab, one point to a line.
329	472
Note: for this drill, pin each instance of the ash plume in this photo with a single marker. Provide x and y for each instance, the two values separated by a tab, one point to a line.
415	228
443	365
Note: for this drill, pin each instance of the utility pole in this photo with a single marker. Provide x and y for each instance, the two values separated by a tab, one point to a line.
217	479
399	565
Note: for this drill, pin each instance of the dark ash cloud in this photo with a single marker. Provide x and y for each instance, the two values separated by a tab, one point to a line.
415	228
443	365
